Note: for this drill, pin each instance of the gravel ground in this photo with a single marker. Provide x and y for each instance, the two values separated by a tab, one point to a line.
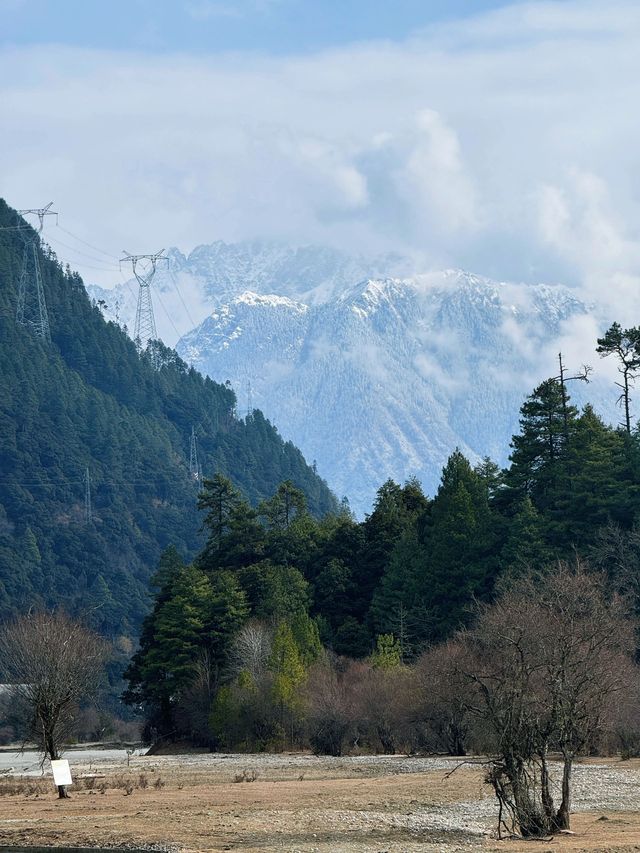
364	804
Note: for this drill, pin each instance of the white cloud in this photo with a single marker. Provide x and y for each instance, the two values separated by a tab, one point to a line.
433	180
504	143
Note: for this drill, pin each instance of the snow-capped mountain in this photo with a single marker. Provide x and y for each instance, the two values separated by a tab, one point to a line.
388	377
185	288
376	379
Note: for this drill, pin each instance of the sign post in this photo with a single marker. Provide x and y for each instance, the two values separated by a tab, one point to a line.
61	773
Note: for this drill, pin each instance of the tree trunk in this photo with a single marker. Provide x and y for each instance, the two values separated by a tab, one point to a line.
627	416
54	755
547	799
530	819
386	739
563	817
455	740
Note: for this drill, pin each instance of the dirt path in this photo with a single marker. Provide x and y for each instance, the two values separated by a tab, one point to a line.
302	803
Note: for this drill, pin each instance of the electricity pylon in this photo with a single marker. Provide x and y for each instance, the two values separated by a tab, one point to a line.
88	514
194	468
31	310
145	325
249	399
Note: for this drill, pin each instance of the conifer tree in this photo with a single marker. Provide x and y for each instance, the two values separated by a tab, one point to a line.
538	455
625	345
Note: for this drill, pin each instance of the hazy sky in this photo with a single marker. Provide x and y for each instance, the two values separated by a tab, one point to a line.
503	139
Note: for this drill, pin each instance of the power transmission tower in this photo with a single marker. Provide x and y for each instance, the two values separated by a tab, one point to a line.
88	514
32	307
249	399
144	269
194	468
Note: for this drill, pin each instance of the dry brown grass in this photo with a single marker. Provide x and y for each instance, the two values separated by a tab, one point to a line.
332	807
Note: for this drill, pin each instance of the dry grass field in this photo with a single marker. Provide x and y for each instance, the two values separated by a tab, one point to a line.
371	804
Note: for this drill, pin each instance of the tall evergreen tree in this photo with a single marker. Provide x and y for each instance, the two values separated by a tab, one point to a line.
538	459
624	344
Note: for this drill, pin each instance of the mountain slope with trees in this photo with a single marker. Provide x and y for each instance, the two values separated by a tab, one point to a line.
281	614
89	400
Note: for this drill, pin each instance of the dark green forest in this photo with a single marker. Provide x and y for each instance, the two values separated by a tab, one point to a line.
267	625
278	618
89	400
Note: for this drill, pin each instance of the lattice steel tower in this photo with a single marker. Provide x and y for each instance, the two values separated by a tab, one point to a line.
88	512
194	468
249	399
32	307
144	269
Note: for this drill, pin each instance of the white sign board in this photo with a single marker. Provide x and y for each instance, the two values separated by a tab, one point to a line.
61	772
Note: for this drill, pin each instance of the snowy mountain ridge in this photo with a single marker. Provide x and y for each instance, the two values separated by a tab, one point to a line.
389	377
371	372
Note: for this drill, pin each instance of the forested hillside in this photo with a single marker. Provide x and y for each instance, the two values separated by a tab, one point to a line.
88	400
253	644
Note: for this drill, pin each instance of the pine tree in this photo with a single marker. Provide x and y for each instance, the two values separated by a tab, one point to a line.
538	457
457	558
625	345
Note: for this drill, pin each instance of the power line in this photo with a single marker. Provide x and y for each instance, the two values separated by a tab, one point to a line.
169	317
184	304
41	485
90	245
57	240
65	483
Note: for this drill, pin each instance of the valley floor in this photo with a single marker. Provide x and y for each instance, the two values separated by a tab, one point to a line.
367	804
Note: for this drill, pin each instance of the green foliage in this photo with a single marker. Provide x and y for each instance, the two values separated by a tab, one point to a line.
90	400
625	345
387	653
537	462
274	592
288	669
187	634
287	504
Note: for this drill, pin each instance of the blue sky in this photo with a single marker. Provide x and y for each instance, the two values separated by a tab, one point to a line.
269	26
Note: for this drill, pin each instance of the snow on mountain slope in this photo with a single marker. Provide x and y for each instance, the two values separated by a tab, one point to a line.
185	288
387	377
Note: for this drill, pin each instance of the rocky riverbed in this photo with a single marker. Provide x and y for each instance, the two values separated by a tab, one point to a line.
296	802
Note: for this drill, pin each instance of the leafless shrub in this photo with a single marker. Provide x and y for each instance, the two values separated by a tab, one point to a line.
246	776
443	699
158	784
143	781
330	709
381	702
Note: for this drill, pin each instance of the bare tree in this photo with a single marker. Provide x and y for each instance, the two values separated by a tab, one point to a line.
546	661
52	663
444	696
251	650
329	699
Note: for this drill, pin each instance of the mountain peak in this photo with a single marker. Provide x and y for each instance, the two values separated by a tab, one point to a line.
269	300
